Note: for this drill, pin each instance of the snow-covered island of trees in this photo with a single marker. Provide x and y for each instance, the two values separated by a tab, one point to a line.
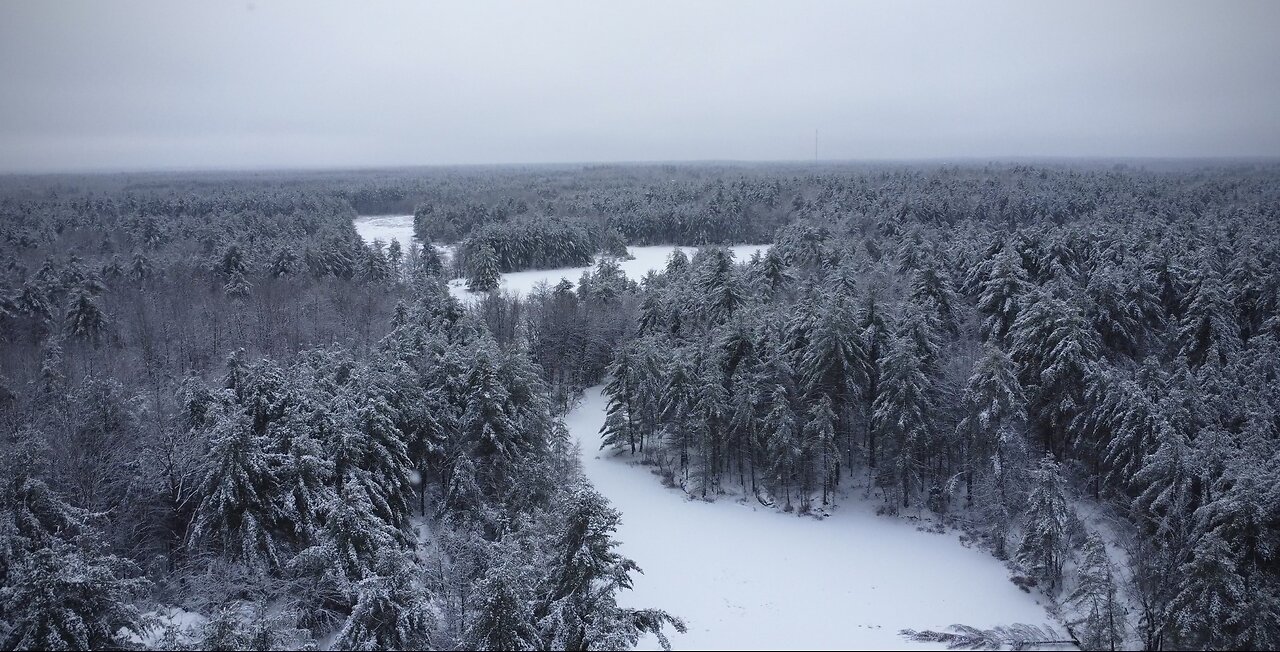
827	406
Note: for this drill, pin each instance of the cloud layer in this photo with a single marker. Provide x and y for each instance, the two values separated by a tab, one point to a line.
185	84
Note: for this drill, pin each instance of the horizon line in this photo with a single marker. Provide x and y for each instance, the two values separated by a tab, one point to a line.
935	160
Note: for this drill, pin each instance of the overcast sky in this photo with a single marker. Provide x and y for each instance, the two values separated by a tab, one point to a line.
186	84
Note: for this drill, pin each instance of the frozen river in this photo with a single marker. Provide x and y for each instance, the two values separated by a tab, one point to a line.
400	227
745	577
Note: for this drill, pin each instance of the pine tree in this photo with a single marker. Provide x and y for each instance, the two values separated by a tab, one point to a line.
376	266
1046	540
822	452
581	605
1206	608
718	285
237	514
620	429
140	267
306	472
1056	350
775	272
834	364
68	597
1101	618
1208	331
677	263
392	611
875	336
59	589
490	433
1124	308
501	620
232	262
484	275
395	258
1001	294
283	263
385	460
903	415
710	410
237	286
932	286
85	319
784	444
994	409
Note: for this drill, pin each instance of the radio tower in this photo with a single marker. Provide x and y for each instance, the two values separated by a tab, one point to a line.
815	145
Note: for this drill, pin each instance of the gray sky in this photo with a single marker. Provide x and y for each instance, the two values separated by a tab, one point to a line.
186	84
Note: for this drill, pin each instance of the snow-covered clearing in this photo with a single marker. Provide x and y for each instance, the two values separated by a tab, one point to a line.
643	260
748	577
393	227
400	227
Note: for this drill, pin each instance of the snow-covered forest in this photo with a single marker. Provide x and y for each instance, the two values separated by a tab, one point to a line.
228	422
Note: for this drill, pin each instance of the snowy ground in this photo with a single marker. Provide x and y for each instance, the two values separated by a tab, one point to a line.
643	260
747	577
393	227
400	227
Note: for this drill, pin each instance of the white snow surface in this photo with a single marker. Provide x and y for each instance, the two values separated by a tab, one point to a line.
643	260
747	577
393	227
385	228
400	227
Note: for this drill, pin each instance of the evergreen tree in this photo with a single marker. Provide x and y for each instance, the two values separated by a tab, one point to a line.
834	364
620	429
237	286
932	285
484	275
283	263
1124	308
581	607
903	416
1046	524
784	441
1208	331
376	266
1001	294
775	272
232	262
502	618
819	442
717	284
59	589
67	597
1101	615
85	319
237	514
993	406
392	611
1056	349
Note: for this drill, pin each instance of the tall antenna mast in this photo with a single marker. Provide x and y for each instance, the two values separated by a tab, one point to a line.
815	145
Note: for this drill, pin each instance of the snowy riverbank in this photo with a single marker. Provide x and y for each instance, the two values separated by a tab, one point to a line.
747	577
643	259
